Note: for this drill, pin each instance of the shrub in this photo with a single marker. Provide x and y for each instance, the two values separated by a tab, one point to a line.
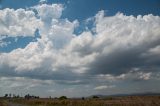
62	97
95	97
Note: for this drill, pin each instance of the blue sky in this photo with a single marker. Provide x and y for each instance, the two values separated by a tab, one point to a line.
115	45
82	9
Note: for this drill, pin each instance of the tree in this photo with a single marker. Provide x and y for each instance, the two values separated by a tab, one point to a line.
83	98
27	96
95	97
6	95
62	97
10	95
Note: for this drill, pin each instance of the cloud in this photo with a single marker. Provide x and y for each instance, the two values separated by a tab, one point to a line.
152	55
121	40
47	12
18	22
134	75
22	82
103	87
145	76
42	1
120	44
51	91
2	42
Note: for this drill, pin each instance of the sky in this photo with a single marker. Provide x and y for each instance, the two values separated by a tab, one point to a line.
79	47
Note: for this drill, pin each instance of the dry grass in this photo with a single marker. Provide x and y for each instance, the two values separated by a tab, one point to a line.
115	101
3	102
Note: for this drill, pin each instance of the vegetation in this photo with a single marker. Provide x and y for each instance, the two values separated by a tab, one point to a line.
110	101
62	97
3	102
95	97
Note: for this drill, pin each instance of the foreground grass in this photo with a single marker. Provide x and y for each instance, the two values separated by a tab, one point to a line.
115	101
3	102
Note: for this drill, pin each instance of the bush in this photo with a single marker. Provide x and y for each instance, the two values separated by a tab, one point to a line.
62	97
95	97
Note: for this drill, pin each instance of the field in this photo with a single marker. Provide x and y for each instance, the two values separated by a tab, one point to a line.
110	101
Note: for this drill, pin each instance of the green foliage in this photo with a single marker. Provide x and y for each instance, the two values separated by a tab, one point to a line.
62	97
95	97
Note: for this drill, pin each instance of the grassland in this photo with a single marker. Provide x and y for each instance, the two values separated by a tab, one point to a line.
110	101
3	102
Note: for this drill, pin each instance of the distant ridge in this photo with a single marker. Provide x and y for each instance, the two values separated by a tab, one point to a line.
132	94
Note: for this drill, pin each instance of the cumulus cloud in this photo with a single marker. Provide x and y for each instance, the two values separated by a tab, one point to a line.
121	40
120	43
18	22
48	12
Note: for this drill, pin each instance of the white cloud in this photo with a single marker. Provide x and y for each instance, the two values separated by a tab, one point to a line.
22	82
61	32
104	87
3	43
145	76
59	50
42	1
126	31
48	12
122	49
129	76
18	22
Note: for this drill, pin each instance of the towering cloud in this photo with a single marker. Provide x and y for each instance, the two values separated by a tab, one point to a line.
18	22
121	46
